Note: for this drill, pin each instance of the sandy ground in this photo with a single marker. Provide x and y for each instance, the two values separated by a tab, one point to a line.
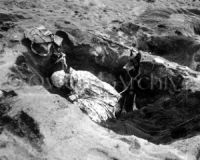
65	133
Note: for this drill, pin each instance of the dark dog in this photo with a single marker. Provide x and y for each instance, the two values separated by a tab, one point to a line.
127	102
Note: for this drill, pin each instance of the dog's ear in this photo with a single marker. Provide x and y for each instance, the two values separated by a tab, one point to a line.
131	53
138	57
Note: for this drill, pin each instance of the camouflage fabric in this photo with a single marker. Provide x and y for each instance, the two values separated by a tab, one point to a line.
95	97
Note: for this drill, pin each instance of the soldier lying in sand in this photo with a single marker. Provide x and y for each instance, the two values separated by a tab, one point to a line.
97	98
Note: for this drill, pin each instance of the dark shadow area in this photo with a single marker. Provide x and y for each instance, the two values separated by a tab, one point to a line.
162	122
177	48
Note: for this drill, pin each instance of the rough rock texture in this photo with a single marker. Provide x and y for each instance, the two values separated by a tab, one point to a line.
53	128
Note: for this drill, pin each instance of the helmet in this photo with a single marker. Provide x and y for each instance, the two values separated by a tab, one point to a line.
41	40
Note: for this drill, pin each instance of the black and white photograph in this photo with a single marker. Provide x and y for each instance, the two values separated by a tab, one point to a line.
99	79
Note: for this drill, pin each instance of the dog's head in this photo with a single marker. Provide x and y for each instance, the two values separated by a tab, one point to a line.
132	66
